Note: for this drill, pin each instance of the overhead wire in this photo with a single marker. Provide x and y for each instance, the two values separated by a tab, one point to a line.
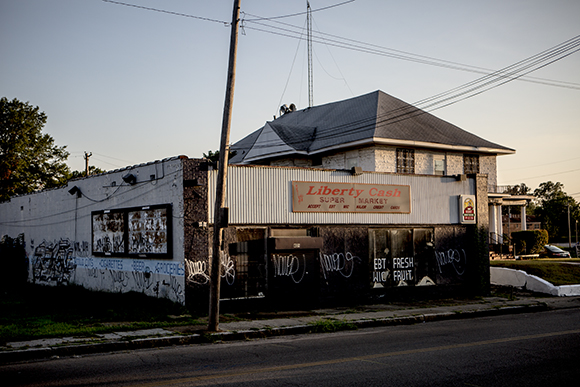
539	165
336	64
550	174
290	73
168	12
258	18
18	223
360	46
351	44
460	93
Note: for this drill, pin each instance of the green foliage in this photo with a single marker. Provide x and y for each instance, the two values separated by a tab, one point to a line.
213	156
553	205
29	160
331	325
530	241
521	189
40	311
92	171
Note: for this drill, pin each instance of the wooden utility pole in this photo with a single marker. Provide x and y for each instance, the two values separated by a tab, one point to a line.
86	157
219	220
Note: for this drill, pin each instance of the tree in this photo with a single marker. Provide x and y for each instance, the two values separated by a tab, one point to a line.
552	207
215	156
211	155
29	160
92	171
521	189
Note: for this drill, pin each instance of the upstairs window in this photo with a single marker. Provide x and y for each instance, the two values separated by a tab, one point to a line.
405	160
439	165
470	164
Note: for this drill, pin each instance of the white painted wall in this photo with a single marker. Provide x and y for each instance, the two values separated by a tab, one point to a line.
59	225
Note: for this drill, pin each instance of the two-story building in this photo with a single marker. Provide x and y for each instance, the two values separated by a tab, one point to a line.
350	200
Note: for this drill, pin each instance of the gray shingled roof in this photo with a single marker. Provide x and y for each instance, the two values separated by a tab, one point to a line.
371	118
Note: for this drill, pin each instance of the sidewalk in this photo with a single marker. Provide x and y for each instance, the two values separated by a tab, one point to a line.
286	323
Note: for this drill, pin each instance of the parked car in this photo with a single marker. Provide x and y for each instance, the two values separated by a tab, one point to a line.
554	252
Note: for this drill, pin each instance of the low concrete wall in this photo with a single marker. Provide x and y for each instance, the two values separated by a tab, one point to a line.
521	279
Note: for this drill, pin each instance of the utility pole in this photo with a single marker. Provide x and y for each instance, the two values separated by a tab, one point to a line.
86	157
219	220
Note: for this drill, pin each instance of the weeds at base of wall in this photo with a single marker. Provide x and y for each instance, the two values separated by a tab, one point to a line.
35	311
331	325
211	338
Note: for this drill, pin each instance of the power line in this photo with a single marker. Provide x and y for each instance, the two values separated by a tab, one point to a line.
298	13
540	165
352	44
359	46
457	94
168	12
548	175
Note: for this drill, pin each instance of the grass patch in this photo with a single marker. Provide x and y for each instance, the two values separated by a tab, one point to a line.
331	325
557	272
34	312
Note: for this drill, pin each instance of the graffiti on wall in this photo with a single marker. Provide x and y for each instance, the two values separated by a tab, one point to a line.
289	265
66	262
53	261
228	268
338	263
456	258
197	271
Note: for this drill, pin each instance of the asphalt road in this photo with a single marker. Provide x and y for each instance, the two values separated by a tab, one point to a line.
536	349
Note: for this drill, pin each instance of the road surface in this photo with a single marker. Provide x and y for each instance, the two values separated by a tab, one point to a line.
536	349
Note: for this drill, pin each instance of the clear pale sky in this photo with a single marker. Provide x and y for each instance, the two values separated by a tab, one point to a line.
133	85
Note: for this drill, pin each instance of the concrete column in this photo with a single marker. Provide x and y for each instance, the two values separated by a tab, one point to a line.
523	215
495	225
499	225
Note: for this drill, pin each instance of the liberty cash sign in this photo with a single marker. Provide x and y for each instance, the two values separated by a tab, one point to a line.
309	196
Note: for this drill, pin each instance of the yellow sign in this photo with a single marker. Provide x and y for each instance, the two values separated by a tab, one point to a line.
309	196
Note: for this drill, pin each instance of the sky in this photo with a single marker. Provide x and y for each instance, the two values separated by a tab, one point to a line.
133	85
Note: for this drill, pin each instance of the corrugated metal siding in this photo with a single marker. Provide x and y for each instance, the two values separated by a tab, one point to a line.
263	195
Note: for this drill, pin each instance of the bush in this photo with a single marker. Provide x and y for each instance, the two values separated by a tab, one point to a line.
530	242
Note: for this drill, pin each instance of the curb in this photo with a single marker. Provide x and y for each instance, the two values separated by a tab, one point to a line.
156	342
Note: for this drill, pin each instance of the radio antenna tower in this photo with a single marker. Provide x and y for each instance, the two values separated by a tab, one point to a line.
309	44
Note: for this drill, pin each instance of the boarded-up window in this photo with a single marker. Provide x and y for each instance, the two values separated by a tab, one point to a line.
405	160
401	257
139	231
470	164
